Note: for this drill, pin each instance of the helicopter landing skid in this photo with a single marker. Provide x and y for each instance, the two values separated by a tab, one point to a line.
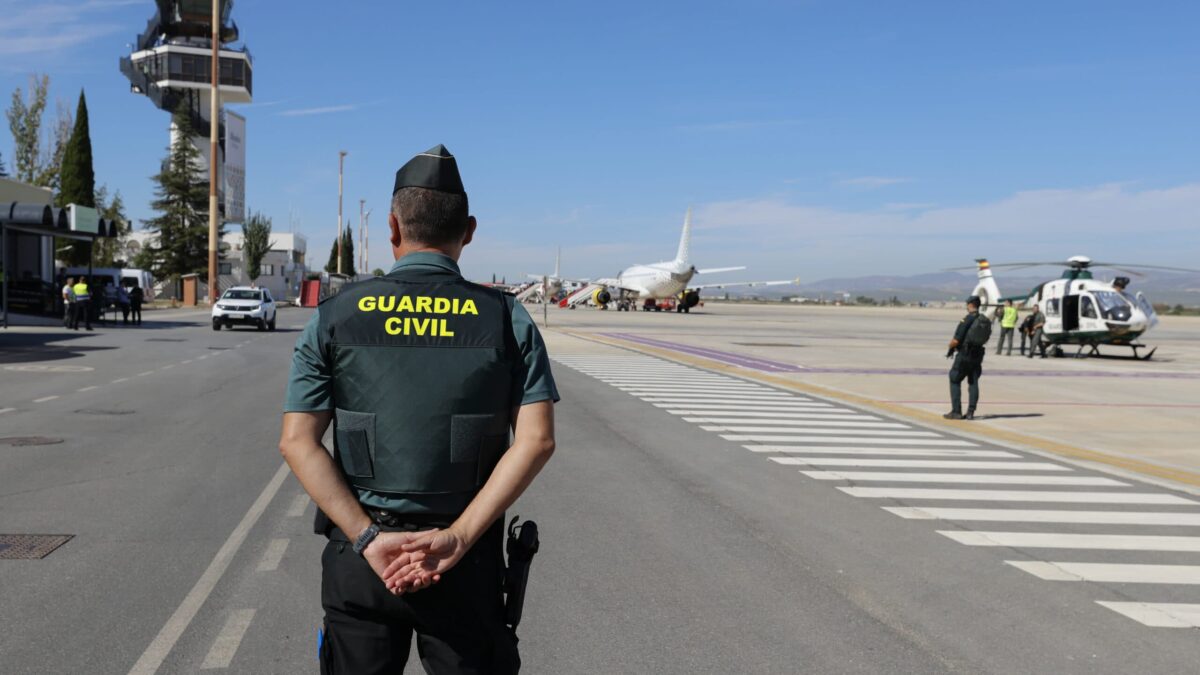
1095	352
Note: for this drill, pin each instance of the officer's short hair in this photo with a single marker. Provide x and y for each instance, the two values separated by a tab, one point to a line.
430	217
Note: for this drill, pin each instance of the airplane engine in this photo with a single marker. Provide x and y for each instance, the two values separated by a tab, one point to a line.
689	299
601	297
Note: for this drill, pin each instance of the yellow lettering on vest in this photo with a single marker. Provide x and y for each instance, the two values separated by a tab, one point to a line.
424	304
446	332
468	307
441	305
366	304
454	306
387	303
419	326
393	326
406	304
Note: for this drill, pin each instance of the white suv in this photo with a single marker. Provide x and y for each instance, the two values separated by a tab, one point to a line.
245	305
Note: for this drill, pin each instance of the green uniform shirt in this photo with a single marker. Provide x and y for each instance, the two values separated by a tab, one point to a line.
310	382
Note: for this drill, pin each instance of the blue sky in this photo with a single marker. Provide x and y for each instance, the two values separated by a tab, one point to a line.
814	138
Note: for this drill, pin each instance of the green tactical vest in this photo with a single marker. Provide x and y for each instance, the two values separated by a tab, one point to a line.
422	382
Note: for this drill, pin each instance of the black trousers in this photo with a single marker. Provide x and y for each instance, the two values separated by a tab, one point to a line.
969	369
136	309
83	310
459	621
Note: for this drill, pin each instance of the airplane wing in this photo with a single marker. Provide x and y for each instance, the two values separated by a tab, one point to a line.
714	270
746	283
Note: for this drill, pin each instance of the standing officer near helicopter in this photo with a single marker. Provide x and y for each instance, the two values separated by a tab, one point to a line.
967	348
423	375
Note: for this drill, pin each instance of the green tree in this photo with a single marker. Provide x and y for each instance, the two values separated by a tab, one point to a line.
25	123
110	252
347	254
77	185
181	201
256	241
3	171
377	272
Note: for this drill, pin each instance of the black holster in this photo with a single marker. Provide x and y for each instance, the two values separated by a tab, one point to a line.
521	546
322	525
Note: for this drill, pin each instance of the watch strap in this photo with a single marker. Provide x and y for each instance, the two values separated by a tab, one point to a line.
365	538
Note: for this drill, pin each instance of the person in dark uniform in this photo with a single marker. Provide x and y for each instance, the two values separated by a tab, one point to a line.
968	365
423	375
136	297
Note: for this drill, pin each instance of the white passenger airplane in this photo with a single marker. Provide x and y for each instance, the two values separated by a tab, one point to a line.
547	285
659	281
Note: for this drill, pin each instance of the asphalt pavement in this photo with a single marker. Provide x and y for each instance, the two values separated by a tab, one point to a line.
691	521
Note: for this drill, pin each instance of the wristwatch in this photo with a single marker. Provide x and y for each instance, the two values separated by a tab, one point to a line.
365	538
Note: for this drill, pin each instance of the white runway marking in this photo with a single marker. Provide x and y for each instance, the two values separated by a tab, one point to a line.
148	372
753	416
228	640
120	379
845	439
685	396
873	450
6	410
799	423
272	556
918	463
639	389
183	362
1110	572
86	389
1048	516
1098	542
202	357
662	379
162	644
1015	495
44	399
765	407
299	503
168	366
982	478
1158	614
813	429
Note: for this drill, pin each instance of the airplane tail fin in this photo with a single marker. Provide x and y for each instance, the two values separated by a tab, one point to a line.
685	240
986	289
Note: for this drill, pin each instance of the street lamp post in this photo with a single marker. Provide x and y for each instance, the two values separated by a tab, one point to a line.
341	162
214	112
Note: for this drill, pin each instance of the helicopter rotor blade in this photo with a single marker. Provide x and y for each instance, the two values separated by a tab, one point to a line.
1145	267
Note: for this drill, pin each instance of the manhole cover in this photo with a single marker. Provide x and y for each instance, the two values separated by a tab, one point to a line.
19	441
99	411
767	344
36	368
30	546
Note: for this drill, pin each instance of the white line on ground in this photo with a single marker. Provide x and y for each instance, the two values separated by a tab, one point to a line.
873	450
272	556
168	366
120	379
799	423
796	405
162	644
6	410
185	362
1115	573
299	503
846	439
1047	516
1158	614
980	478
148	372
202	357
220	655
814	429
1016	495
638	390
1099	542
87	389
45	398
918	463
685	396
754	416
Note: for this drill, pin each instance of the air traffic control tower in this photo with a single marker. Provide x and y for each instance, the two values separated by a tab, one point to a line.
172	63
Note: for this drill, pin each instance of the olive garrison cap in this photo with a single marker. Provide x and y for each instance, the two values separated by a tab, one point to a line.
434	169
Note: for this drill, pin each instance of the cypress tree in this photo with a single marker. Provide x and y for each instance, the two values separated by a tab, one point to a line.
77	181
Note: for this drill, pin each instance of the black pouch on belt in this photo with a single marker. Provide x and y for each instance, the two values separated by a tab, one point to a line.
522	545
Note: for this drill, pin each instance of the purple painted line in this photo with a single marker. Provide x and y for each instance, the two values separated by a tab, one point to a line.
769	366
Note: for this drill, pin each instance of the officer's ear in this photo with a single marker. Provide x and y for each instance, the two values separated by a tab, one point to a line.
394	230
471	225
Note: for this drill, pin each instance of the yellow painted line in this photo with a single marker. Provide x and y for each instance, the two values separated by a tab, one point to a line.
932	419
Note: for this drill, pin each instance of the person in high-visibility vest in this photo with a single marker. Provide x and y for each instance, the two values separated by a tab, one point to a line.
1008	324
83	304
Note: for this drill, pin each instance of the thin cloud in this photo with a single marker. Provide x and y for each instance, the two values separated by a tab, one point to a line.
326	110
872	182
740	125
909	206
45	30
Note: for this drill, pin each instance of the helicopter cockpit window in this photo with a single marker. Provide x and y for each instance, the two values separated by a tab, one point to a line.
1113	306
1052	307
1087	310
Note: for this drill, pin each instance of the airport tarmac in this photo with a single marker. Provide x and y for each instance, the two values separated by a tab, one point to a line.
1130	415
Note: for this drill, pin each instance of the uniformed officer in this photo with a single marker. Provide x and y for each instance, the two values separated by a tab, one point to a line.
423	375
83	304
968	365
1008	325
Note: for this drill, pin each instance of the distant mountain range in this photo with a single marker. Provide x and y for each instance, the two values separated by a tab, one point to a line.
1161	287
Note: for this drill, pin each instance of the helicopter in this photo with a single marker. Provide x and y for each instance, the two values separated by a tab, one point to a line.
1080	309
